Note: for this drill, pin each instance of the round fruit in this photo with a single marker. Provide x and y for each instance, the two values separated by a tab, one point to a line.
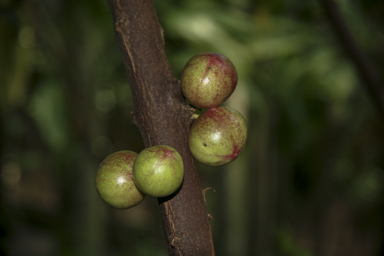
158	171
114	181
208	79
218	136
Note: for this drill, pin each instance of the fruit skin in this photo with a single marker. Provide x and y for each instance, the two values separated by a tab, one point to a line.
158	171
218	136
114	180
208	79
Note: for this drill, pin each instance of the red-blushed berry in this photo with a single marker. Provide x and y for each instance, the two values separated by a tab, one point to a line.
208	79
158	171
218	136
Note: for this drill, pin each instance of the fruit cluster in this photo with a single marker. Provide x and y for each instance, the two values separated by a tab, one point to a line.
125	177
219	134
216	137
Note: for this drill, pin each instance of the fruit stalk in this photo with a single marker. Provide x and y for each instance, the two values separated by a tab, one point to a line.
163	118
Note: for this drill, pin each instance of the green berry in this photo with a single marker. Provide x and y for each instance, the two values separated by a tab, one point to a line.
218	136
158	171
114	180
208	79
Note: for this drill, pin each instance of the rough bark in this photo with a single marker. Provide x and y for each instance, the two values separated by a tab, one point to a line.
162	117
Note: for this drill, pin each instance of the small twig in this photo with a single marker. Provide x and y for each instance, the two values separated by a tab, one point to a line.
205	191
373	82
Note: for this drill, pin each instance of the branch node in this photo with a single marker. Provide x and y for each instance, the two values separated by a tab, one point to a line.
162	33
134	118
173	238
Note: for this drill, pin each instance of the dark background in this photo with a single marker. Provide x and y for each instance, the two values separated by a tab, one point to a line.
309	182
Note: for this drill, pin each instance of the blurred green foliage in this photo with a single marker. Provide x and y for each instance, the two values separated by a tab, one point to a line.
310	181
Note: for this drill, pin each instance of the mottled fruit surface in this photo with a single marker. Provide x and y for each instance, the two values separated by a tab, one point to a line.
158	171
114	180
218	136
208	79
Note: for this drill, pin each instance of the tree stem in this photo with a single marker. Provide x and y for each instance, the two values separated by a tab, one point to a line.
163	118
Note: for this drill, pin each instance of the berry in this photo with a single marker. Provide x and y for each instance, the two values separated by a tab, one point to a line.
114	181
218	136
208	79
158	171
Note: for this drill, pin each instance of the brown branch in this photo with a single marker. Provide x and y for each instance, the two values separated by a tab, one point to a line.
162	117
372	81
